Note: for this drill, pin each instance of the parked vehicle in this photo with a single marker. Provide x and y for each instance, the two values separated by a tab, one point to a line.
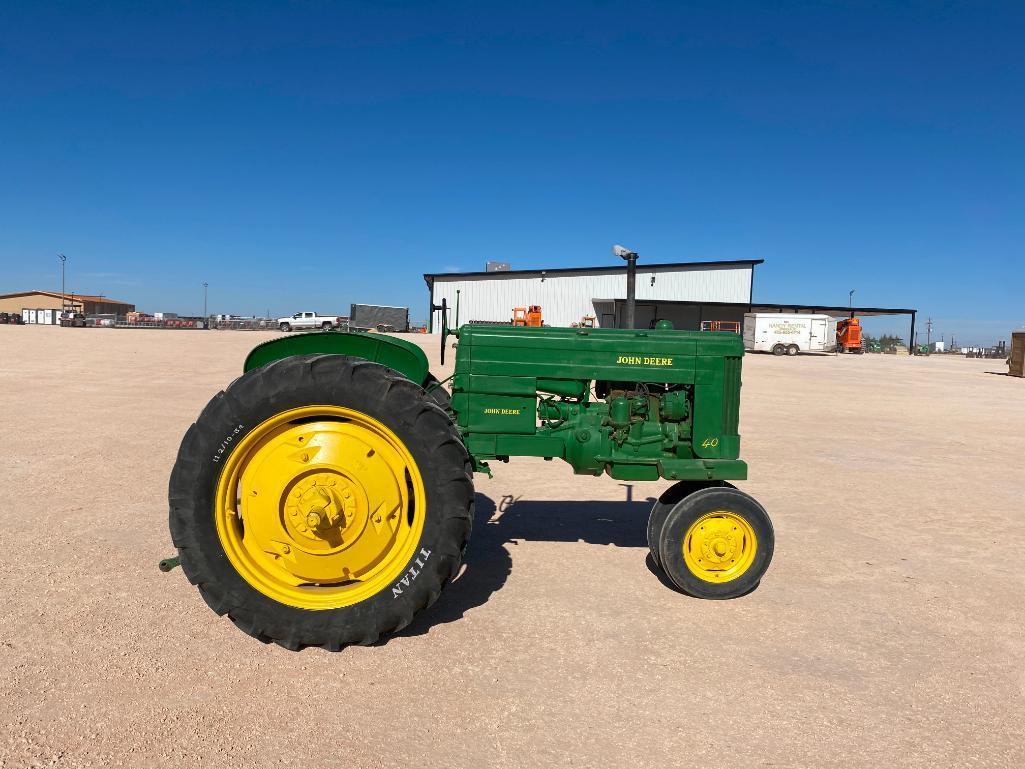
325	500
848	335
72	319
787	333
309	320
378	317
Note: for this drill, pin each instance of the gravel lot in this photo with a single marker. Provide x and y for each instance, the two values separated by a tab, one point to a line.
887	632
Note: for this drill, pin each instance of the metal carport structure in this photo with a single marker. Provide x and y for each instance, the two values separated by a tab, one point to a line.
835	310
735	311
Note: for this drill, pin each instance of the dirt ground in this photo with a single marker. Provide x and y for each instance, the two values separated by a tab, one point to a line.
887	632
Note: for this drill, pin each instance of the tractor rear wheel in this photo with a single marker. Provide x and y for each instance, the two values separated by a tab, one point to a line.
716	543
321	500
664	505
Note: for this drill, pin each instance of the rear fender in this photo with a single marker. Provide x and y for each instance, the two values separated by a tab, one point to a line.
398	354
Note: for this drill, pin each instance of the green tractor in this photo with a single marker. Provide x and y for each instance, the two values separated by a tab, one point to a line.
326	496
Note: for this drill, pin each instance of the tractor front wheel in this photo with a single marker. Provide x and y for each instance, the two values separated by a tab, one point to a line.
321	500
716	543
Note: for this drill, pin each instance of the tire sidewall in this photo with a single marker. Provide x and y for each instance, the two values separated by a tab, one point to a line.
682	517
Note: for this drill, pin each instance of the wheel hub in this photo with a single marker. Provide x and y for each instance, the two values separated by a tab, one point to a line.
719	546
718	542
322	507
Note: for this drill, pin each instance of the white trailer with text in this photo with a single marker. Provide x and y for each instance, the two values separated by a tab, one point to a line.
788	333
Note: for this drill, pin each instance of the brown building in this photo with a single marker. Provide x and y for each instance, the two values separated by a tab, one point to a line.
51	300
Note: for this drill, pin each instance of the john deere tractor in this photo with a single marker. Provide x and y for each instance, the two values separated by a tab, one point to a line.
326	496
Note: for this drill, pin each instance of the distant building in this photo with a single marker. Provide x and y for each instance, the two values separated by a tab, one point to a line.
51	300
691	295
685	293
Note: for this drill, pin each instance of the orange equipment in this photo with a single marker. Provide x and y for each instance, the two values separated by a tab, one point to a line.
527	316
848	336
721	325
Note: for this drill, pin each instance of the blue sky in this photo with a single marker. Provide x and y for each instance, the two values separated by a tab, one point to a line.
310	155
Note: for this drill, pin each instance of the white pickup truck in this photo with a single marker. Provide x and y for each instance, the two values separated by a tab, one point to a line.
308	320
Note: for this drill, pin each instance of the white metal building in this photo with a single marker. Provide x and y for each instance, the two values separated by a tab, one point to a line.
684	292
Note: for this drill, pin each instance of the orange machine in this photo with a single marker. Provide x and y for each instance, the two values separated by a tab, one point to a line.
721	325
527	316
848	336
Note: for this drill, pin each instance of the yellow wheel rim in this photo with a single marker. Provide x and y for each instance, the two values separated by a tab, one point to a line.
320	507
719	546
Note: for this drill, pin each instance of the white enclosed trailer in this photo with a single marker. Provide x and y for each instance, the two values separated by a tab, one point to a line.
787	333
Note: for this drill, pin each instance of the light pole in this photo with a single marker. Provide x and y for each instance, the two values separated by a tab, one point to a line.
64	301
204	301
850	299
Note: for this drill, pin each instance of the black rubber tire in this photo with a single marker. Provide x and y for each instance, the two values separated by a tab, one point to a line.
284	327
778	349
793	349
289	383
665	503
679	521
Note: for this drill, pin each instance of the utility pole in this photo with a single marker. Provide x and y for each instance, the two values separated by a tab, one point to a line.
928	335
64	301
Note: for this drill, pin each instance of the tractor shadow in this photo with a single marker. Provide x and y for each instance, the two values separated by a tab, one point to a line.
497	526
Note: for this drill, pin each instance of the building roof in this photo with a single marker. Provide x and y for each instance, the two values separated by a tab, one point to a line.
429	277
68	295
829	309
